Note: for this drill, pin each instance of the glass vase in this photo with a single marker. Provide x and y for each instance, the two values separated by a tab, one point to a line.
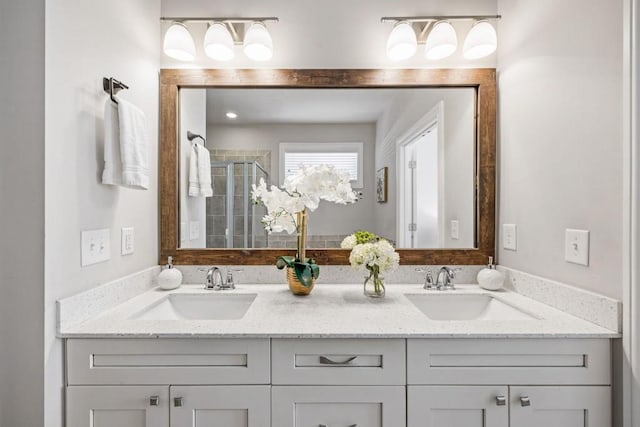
374	285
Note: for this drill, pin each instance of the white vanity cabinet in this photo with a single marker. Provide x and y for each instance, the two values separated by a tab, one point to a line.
168	383
310	382
508	383
338	382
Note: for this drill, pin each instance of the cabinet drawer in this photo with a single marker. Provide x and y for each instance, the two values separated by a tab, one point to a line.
513	361
369	406
167	361
338	362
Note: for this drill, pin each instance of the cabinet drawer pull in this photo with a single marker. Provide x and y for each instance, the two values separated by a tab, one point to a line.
324	425
326	361
524	401
154	401
178	401
501	401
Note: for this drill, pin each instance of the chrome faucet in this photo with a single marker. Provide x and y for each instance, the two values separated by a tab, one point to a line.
443	280
214	279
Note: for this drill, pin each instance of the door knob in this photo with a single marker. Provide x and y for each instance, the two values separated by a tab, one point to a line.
524	401
501	401
154	401
178	401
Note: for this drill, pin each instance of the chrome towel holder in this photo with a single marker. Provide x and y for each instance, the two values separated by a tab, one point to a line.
112	87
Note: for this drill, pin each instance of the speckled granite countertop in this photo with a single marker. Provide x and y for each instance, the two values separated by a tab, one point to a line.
338	311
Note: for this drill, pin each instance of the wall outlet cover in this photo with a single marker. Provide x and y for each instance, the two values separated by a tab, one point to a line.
95	246
576	246
509	237
127	241
455	229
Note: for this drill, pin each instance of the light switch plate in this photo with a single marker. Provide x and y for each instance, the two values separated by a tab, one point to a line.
455	229
95	246
194	230
576	246
127	241
509	237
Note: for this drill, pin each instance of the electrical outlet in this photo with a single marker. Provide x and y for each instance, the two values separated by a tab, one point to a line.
455	229
509	237
194	230
576	246
95	246
127	241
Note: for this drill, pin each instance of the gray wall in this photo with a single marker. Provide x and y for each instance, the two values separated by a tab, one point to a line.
21	212
560	128
87	41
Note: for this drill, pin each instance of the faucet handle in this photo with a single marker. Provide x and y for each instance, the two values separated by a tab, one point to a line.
230	283
428	278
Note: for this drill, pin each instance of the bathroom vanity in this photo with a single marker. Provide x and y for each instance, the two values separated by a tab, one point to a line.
336	359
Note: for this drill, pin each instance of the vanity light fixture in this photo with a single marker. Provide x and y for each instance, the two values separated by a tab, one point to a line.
218	42
442	41
481	41
439	36
402	42
222	35
257	42
178	43
231	115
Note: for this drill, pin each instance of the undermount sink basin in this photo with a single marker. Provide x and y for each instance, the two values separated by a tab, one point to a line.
451	306
216	306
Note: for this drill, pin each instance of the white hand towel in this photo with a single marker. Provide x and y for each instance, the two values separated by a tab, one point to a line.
204	171
112	173
134	148
194	184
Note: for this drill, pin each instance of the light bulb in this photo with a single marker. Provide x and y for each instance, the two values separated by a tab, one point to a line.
178	43
257	42
402	42
481	41
218	43
442	41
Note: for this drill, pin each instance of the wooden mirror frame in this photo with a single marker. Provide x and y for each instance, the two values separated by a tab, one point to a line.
172	80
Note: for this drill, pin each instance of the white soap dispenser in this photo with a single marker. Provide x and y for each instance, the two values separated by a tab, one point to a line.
170	277
489	278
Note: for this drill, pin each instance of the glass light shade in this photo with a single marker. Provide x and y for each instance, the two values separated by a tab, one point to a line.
402	42
178	43
481	41
257	42
218	43
442	41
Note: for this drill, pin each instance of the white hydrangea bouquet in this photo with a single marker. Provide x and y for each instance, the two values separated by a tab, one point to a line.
375	254
288	208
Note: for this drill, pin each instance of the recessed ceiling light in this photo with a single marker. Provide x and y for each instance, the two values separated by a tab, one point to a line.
231	115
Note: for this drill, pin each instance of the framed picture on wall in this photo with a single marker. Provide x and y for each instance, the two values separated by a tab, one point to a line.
382	184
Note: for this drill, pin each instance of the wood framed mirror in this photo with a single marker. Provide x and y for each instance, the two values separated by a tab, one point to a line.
481	160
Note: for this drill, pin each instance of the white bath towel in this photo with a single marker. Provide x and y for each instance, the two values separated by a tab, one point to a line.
200	172
134	148
112	173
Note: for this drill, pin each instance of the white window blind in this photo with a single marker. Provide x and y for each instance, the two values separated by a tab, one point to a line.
344	156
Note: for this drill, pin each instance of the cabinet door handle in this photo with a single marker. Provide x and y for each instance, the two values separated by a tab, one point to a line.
178	401
326	361
524	401
154	401
501	401
324	425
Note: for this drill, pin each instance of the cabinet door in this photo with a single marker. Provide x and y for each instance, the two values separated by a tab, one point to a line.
338	406
228	406
457	406
563	406
109	406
